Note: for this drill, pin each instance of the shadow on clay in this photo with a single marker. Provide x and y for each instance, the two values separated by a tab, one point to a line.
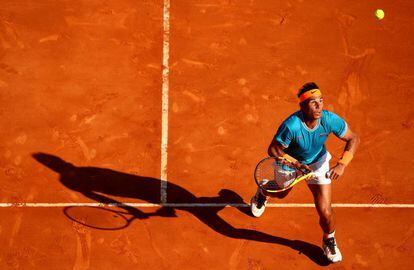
99	183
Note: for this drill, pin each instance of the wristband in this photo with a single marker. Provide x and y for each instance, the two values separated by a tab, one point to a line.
346	158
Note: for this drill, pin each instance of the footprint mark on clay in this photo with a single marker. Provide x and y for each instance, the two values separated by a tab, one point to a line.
8	69
21	139
83	246
122	246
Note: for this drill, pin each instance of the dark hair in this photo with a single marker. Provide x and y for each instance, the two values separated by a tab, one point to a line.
307	87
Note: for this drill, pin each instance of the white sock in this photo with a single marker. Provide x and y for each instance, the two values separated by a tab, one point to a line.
328	235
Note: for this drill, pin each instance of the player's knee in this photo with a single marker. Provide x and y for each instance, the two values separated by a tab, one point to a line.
326	213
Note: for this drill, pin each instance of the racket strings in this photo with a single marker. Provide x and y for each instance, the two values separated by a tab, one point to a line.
270	172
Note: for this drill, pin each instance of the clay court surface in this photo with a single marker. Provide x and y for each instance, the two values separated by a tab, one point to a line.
83	125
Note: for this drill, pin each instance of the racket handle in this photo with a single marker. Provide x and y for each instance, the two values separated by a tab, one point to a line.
295	165
303	170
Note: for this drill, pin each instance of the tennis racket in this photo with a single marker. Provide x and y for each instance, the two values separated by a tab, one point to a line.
277	174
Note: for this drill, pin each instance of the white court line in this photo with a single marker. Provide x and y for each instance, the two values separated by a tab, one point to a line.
144	205
165	99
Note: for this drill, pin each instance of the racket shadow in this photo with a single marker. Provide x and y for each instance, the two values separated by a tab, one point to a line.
101	185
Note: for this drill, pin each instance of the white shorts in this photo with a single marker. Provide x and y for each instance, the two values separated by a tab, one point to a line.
285	178
320	169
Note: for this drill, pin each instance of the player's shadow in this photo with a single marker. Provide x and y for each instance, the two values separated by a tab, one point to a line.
99	183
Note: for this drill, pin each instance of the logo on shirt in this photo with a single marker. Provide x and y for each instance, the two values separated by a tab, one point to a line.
323	134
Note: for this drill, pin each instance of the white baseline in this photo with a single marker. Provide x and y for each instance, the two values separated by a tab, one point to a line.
144	205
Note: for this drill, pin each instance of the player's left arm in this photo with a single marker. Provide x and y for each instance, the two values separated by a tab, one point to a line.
352	141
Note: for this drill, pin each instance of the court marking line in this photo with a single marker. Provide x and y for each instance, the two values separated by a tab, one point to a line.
143	205
165	100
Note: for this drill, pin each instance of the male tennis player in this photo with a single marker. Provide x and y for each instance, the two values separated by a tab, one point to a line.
301	138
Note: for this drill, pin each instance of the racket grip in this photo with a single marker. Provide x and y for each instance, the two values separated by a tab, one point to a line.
303	170
295	164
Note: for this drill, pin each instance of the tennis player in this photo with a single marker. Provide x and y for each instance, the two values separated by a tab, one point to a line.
301	138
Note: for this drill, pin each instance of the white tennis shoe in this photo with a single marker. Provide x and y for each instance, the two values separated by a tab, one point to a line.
258	203
331	250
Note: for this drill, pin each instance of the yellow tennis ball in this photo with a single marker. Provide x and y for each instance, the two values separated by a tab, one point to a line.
379	13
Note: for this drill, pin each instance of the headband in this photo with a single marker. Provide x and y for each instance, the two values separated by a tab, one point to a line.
308	94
